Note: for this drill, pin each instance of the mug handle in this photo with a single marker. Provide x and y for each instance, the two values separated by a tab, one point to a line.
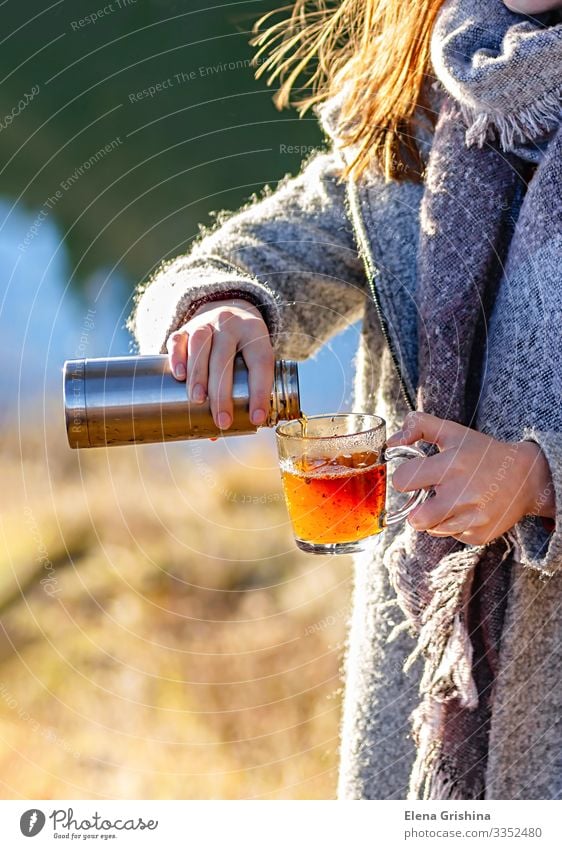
418	496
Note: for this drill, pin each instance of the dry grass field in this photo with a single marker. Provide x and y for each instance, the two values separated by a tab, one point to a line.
161	636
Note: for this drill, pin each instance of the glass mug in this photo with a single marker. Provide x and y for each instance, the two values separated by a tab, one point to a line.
333	470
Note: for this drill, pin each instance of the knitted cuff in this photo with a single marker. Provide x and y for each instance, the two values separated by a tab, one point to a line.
183	286
538	539
230	294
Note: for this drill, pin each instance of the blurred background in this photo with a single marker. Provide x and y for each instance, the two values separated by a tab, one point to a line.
161	637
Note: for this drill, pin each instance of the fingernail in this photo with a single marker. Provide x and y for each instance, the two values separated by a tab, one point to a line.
179	371
258	416
198	394
224	420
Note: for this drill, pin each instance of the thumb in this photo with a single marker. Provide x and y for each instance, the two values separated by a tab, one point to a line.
419	425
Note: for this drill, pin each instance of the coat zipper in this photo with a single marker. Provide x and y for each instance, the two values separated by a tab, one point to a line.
371	273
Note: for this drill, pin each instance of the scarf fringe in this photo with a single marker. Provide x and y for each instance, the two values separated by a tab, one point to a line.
404	578
445	644
443	639
530	124
433	775
427	724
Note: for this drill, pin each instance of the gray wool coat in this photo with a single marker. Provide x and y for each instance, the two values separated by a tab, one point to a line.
315	255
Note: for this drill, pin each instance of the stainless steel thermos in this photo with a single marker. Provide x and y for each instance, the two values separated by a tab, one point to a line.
126	400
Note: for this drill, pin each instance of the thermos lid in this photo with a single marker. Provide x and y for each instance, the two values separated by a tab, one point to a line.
74	391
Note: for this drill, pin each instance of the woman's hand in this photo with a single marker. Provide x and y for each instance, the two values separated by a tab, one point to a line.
482	486
202	353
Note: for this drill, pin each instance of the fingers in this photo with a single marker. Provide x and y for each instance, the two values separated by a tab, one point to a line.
462	524
448	515
203	351
177	350
465	527
423	473
419	425
221	362
198	354
446	505
259	357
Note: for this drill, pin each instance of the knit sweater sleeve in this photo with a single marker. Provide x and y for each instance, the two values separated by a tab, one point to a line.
290	252
538	542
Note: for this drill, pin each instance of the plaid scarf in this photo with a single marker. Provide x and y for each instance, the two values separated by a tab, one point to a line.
500	76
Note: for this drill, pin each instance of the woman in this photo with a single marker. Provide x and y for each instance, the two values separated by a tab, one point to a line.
436	216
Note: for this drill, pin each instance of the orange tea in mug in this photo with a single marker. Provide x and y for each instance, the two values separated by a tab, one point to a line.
333	500
333	470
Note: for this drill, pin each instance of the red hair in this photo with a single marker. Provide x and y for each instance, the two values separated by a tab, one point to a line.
379	47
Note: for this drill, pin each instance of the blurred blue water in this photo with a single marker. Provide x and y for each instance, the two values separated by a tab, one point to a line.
42	319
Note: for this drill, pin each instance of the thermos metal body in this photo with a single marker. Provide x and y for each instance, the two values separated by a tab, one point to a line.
132	400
